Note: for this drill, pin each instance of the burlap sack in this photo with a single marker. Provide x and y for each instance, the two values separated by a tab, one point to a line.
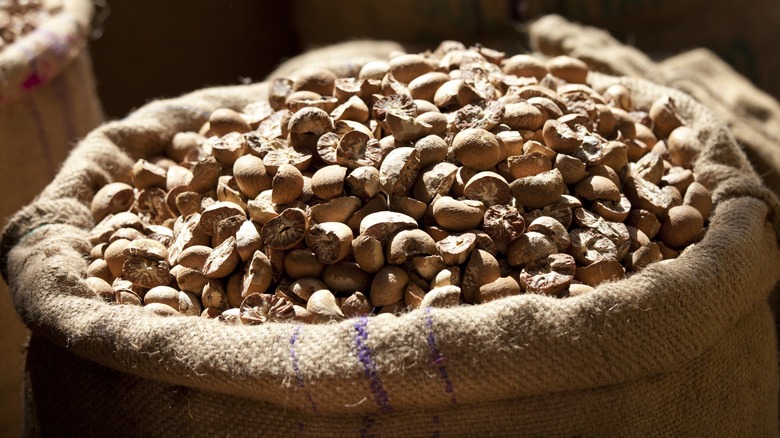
681	349
47	102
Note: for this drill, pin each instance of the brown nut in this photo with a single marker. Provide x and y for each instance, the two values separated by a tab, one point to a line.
356	305
223	121
499	288
357	148
287	184
432	149
346	277
529	247
550	275
368	253
362	182
408	243
399	170
442	297
457	215
681	226
456	248
665	117
305	287
222	260
112	198
328	182
260	308
612	211
101	287
504	224
589	246
553	229
597	188
424	86
481	269
489	188
539	190
643	220
435	180
560	137
599	272
698	197
330	241
302	263
258	275
525	66
381	225
476	148
251	176
388	286
684	146
647	196
567	68
286	230
572	169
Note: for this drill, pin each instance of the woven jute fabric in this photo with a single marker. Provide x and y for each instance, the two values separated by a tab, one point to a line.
685	348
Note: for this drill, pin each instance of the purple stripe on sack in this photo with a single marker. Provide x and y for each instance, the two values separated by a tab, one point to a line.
364	355
297	370
368	424
438	358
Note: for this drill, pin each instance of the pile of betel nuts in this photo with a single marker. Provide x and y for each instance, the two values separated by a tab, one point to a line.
20	17
451	177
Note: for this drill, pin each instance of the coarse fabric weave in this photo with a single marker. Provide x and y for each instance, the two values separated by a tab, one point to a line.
685	348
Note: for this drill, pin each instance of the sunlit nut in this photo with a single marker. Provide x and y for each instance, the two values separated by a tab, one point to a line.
614	154
147	248
435	180
399	104
698	197
597	188
302	263
399	170
328	182
353	109
510	142
625	125
644	221
97	250
533	146
388	286
227	227
529	247
286	230
374	205
189	234
222	260
336	210
446	96
613	211
326	147
278	90
504	224
489	188
679	178
549	109
408	206
127	234
576	289
408	243
525	66
428	266
212	295
521	166
188	203
432	149
368	253
145	174
606	123
112	198
560	138
260	308
356	148
362	182
163	295
650	167
673	194
553	229
227	191
424	86
550	275
177	177
523	116
462	176
305	287
318	80
681	226
183	144
538	190
476	148
287	184
589	246
194	257
101	287
599	272
190	280
145	272
250	175
647	196
442	297
499	288
258	275
456	249
407	67
160	309
384	223
665	117
217	212
427	107
228	148
99	268
389	85
457	215
295	101
330	241
684	146
356	305
482	268
115	257
231	316
205	174
224	120
324	307
619	96
646	136
567	68
307	125
590	152
446	277
643	256
374	70
346	277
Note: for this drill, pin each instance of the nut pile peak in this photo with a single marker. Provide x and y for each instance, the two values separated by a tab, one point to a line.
445	178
